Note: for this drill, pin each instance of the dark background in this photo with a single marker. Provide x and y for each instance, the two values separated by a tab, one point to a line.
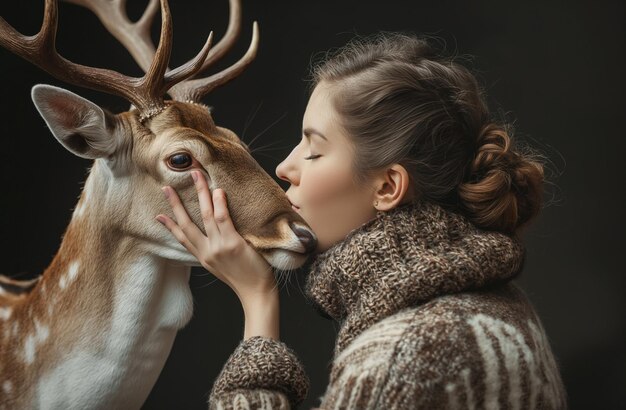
555	69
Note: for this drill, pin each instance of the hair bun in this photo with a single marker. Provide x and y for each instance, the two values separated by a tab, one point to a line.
504	188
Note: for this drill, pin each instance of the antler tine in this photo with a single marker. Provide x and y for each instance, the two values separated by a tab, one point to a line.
190	68
155	80
230	37
195	89
146	92
40	49
154	74
135	37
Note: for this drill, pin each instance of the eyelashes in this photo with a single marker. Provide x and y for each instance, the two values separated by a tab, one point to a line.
313	156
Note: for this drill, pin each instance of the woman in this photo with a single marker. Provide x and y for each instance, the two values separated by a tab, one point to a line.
417	198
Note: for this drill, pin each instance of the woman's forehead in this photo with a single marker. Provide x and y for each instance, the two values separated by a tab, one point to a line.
320	115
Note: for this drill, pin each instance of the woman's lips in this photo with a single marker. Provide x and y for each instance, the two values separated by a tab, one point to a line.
293	206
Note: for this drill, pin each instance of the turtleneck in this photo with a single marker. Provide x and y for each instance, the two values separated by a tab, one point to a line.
428	318
405	257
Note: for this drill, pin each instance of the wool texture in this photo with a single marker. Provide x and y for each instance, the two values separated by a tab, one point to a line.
429	315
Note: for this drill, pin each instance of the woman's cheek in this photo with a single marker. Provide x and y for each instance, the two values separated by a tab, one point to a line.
325	183
328	202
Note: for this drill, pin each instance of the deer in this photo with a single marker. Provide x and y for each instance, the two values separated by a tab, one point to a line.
95	328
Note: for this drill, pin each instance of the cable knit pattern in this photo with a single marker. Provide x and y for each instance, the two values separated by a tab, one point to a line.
429	318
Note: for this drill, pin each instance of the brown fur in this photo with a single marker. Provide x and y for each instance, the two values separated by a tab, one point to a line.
106	232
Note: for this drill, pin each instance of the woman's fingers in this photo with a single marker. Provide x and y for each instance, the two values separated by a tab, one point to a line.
222	216
177	232
206	204
188	227
182	238
223	251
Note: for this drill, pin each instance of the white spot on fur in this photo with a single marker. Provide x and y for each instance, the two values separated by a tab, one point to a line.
33	340
69	277
5	313
7	386
82	203
42	332
73	270
29	349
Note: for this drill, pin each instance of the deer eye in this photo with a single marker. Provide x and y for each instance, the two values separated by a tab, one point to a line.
180	160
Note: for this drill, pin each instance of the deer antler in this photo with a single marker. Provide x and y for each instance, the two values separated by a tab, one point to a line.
135	37
146	92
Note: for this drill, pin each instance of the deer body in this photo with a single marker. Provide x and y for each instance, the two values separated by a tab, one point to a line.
104	314
95	329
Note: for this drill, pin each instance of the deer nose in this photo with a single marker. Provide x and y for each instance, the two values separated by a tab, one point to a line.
305	236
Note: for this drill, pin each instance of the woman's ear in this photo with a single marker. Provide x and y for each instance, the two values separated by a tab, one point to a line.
393	188
81	126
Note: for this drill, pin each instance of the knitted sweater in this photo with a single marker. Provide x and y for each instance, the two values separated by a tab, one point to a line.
429	318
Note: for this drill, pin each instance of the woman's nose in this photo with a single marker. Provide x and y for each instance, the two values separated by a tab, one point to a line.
287	171
280	171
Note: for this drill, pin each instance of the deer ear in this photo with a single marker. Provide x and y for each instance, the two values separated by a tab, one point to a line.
81	126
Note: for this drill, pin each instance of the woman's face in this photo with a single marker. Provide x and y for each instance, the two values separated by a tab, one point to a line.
321	174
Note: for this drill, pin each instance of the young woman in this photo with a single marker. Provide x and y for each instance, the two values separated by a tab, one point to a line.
417	197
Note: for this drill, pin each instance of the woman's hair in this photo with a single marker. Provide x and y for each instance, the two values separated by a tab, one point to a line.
401	102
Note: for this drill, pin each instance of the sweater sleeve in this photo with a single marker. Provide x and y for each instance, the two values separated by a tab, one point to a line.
262	373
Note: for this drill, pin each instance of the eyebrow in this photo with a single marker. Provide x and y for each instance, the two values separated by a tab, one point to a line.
310	131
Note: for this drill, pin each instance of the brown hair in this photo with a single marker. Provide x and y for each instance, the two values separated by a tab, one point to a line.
402	102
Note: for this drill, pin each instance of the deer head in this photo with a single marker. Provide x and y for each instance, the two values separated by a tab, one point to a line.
159	141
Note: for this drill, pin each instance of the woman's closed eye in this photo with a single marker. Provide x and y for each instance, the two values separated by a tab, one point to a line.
312	156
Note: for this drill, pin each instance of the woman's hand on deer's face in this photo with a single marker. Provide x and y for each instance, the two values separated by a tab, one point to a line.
222	251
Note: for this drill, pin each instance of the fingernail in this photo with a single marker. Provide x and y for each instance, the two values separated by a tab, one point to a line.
160	219
166	191
194	176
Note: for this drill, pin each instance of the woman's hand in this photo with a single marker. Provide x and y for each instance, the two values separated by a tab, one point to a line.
228	256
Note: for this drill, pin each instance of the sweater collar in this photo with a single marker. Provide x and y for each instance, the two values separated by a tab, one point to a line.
405	257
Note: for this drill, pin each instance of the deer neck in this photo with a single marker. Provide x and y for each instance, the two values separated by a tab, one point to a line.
104	316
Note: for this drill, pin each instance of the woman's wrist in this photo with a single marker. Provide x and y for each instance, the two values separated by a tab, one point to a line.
261	314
